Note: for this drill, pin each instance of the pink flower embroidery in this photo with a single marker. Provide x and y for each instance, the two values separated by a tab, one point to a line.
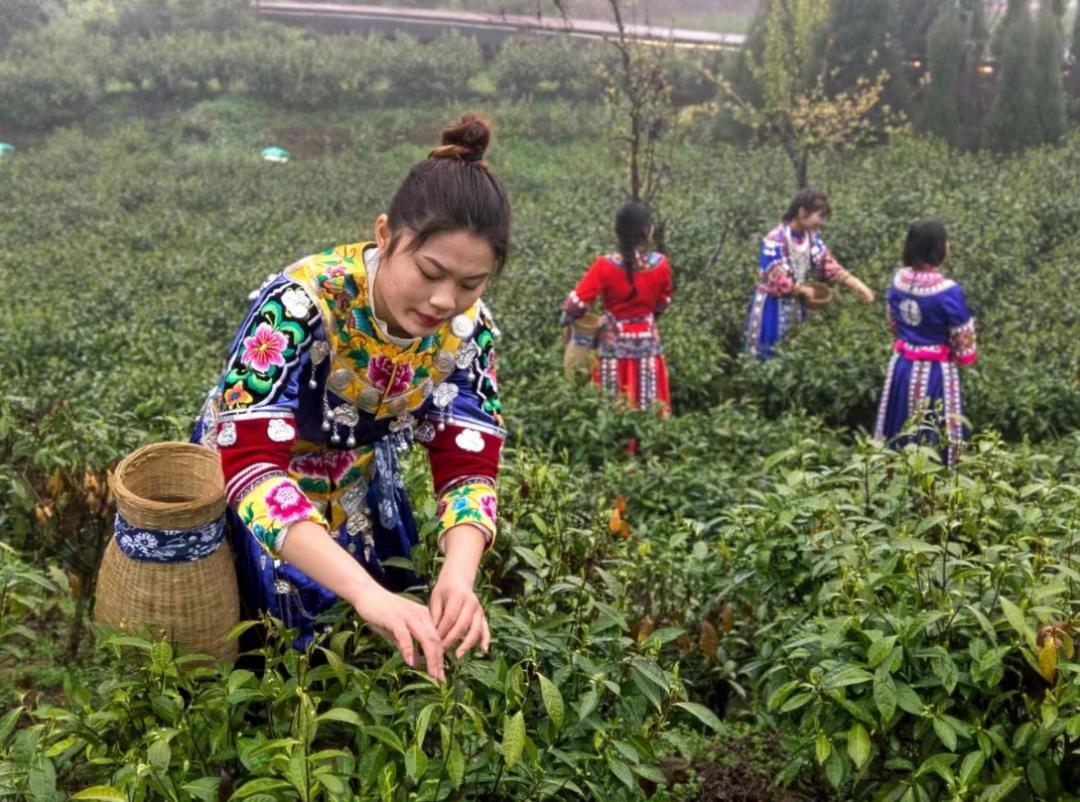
381	374
309	464
264	348
287	503
489	505
331	464
338	463
830	267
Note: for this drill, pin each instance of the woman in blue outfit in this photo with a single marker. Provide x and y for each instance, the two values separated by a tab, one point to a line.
792	253
344	360
935	334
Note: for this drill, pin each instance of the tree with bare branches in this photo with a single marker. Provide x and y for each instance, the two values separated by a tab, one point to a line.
795	106
639	96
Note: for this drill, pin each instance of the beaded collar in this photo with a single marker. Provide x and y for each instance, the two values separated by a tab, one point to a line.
367	370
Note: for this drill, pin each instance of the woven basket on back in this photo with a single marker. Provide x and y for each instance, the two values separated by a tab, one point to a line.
174	488
580	352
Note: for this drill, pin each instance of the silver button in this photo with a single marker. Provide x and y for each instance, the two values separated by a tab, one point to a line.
320	350
369	398
444	361
461	326
340	379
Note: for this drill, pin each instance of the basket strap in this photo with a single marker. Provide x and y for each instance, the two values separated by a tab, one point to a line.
168	545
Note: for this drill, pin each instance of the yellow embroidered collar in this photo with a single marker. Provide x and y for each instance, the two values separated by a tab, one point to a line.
367	369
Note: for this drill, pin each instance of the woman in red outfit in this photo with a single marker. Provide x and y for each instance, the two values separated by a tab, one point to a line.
635	286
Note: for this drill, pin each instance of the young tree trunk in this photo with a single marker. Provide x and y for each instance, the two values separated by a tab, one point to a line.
801	177
635	153
799	159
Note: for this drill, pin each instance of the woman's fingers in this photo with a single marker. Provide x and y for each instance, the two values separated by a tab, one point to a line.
437	605
424	631
403	641
485	641
407	624
451	612
475	633
456	628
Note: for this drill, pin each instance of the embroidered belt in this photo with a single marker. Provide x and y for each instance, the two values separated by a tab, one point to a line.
923	353
632	328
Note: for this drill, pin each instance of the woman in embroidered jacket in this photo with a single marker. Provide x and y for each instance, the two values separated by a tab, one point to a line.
790	254
343	360
935	333
635	286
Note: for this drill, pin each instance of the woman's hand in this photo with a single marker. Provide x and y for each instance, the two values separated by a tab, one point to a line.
310	548
865	293
455	609
402	621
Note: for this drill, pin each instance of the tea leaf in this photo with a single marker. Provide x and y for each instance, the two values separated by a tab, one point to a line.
513	742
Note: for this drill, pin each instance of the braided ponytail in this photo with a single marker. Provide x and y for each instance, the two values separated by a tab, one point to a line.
632	222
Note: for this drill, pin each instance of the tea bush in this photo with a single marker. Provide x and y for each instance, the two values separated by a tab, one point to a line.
570	705
914	628
898	630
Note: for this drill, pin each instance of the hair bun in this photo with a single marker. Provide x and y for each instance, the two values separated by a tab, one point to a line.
467	139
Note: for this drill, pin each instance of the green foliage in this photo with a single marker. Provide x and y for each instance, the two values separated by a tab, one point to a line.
151	19
1049	44
569	706
945	54
1014	10
549	66
1075	43
28	597
689	74
1023	87
863	41
23	15
37	88
1013	121
432	72
168	52
980	26
921	639
802	105
883	622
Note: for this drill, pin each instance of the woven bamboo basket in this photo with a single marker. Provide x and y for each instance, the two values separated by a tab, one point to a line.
580	355
172	488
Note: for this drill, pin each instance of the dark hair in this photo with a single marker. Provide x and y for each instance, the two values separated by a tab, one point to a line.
925	245
632	221
453	189
813	200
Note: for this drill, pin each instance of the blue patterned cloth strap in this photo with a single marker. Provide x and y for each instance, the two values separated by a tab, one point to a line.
388	473
581	339
168	545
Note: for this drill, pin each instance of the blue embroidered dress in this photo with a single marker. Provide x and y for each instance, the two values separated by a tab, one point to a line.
935	333
786	259
314	406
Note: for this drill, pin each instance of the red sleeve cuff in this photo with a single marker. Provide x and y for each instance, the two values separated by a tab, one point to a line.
253	447
458	451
